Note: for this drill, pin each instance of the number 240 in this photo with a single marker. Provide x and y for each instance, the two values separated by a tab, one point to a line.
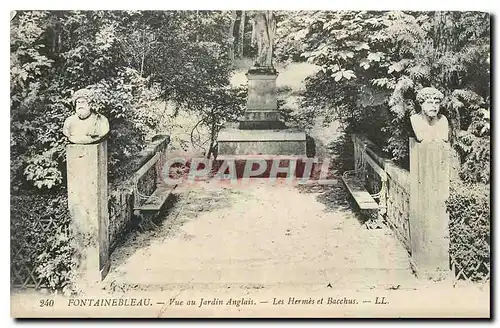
46	303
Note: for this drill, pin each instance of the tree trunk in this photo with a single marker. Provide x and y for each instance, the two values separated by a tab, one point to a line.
231	36
242	35
213	137
143	51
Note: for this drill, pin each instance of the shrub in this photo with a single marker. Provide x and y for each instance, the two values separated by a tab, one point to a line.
41	254
469	209
372	64
56	264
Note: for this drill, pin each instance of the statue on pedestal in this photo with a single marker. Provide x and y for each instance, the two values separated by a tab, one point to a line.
85	126
429	124
264	30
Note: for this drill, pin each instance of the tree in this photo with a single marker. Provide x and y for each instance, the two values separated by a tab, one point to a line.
372	64
129	59
241	38
231	35
52	55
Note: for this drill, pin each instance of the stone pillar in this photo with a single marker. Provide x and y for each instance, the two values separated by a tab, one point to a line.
429	189
87	167
262	105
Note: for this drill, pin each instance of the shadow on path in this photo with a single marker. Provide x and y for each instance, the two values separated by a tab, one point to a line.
191	202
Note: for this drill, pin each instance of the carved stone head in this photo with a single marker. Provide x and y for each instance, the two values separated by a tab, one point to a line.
85	126
81	100
430	100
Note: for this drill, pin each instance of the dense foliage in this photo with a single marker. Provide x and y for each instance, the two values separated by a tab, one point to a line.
469	208
39	241
130	60
373	63
63	52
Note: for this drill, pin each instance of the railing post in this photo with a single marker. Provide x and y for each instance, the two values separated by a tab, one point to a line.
359	149
429	190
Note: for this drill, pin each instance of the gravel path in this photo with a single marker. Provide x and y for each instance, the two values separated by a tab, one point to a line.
258	249
257	236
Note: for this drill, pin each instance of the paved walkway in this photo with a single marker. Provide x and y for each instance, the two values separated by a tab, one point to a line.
261	235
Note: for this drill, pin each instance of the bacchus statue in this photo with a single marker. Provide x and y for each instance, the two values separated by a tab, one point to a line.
264	30
85	126
429	124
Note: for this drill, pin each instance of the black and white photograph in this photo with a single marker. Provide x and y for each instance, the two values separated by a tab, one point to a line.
250	164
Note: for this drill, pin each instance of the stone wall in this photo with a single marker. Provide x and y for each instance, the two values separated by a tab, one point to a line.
120	207
415	200
397	188
142	182
398	202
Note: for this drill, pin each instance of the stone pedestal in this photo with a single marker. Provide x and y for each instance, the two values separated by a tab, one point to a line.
271	147
429	190
260	132
88	206
261	142
262	105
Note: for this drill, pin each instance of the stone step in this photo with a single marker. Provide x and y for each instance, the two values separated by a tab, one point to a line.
262	125
264	142
296	163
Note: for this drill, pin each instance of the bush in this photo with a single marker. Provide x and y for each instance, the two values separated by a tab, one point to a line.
469	209
372	64
56	264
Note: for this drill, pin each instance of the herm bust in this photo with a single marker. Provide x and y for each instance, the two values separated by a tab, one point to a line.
429	124
85	126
